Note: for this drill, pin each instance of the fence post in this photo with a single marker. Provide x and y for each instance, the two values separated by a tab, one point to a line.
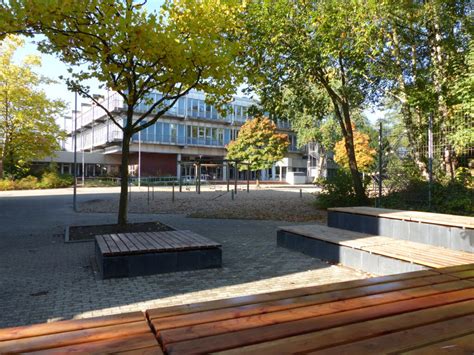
301	193
379	204
430	158
232	194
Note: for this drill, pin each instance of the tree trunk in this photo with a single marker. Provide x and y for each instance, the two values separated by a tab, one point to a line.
350	149
123	204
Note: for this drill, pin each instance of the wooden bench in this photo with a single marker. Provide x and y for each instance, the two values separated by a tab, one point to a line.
448	231
378	255
420	311
127	332
137	254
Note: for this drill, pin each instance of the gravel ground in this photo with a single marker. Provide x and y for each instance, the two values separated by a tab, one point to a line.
266	203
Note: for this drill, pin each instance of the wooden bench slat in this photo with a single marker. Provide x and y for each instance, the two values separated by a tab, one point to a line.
406	339
164	238
134	238
129	243
290	303
120	244
73	337
455	269
234	339
113	247
104	247
460	345
69	325
261	320
357	331
155	243
133	343
271	296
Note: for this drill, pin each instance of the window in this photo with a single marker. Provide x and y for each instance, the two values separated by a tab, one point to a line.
173	132
182	106
202	109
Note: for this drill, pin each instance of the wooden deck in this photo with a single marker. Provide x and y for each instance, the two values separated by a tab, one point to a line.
420	312
423	312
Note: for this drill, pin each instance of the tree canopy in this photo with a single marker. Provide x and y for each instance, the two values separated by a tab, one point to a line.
27	117
188	44
258	144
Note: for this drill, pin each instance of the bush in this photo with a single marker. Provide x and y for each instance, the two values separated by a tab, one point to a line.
7	184
51	180
338	191
453	197
27	183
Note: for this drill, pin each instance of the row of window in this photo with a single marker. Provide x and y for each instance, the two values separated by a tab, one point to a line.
162	132
196	108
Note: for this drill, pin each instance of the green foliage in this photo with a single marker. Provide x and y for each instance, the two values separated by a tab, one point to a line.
49	180
337	191
258	144
27	117
453	197
27	183
187	44
52	180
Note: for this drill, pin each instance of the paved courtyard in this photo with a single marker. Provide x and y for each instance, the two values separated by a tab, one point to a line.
44	279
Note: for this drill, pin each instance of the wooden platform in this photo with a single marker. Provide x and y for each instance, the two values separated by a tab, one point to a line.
137	254
127	332
421	312
378	255
448	231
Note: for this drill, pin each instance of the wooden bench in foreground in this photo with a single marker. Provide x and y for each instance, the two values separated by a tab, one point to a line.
121	333
421	312
378	255
137	254
443	230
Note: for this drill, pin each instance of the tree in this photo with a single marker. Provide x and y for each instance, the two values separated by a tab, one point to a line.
27	116
365	155
299	45
189	44
258	145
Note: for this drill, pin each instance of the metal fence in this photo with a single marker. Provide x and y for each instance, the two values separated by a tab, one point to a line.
412	170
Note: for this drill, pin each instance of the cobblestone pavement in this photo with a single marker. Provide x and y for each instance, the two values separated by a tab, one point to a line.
44	279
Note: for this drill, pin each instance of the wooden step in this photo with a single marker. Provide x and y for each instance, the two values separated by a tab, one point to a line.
356	249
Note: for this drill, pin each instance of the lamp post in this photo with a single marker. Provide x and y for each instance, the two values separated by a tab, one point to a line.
74	199
139	159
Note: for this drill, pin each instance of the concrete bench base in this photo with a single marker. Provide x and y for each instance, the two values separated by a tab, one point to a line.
347	256
450	237
157	263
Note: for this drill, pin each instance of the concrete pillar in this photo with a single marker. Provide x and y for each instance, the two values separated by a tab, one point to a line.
273	171
263	174
178	166
281	173
225	167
